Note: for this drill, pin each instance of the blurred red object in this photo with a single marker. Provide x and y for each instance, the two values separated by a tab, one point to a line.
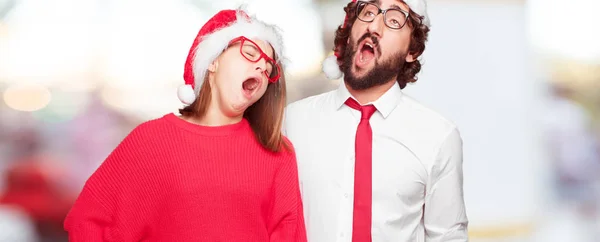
30	187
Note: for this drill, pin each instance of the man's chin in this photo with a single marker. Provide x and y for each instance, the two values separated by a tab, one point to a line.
360	72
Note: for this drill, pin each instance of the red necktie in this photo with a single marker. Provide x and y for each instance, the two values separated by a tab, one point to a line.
361	223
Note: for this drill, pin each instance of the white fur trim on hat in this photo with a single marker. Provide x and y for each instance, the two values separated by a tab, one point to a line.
420	8
211	46
331	68
186	94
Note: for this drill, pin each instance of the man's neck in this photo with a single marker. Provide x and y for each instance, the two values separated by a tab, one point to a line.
370	94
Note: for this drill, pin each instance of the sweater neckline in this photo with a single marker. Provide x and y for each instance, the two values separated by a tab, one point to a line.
222	130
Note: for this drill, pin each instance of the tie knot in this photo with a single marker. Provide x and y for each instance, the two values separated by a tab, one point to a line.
365	111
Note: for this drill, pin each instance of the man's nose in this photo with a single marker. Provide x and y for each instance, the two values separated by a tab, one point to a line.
376	26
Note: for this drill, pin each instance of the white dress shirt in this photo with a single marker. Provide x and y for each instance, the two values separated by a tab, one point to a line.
417	169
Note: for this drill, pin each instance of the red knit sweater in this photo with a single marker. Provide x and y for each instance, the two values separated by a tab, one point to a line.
170	180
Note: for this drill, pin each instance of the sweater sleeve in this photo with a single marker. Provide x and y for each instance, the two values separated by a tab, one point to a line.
114	202
287	220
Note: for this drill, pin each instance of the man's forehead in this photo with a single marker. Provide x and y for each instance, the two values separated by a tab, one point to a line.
391	4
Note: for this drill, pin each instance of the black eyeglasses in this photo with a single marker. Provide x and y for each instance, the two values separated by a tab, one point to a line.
393	18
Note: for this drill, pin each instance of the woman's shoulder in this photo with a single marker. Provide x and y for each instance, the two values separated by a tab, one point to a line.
147	130
288	146
287	151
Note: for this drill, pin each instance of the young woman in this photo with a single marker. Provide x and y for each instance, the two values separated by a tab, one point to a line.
222	171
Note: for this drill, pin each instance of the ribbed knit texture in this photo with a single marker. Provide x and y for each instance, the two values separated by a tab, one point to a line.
170	180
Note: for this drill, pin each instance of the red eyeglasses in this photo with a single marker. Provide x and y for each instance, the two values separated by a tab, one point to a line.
252	52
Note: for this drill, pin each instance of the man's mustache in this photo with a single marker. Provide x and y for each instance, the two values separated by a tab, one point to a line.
373	38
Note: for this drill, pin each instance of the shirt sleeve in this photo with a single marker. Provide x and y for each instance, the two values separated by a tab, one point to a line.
445	216
287	220
111	206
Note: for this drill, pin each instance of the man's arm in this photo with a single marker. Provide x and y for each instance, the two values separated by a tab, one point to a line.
445	217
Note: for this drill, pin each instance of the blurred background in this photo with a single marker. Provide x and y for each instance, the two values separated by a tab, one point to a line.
521	79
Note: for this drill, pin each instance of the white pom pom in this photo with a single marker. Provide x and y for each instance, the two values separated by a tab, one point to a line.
186	94
331	68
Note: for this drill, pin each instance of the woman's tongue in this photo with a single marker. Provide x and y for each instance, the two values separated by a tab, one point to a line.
249	86
365	56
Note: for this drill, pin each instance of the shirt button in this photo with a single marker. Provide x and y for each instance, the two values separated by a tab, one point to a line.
346	195
341	234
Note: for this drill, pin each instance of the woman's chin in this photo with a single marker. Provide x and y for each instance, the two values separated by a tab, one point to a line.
240	107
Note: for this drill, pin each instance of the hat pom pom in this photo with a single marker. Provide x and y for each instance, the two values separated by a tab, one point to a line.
186	94
331	68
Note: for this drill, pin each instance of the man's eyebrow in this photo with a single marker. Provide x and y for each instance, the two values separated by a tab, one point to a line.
394	6
378	3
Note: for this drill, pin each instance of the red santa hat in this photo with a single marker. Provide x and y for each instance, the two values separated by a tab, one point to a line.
213	38
330	64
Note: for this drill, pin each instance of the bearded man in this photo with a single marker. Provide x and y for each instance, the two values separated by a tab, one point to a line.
374	163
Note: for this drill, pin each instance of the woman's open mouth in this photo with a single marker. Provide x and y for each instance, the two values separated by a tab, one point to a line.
250	87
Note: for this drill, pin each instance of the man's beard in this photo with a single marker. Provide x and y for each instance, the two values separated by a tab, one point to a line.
381	73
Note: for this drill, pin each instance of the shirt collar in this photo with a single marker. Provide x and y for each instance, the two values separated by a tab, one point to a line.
385	104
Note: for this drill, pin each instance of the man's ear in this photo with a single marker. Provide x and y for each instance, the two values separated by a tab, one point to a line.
411	57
